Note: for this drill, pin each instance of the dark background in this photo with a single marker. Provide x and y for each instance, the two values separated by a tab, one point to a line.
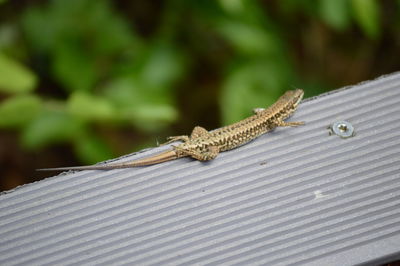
83	81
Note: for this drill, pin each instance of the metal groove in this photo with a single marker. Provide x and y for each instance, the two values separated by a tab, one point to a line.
293	196
160	210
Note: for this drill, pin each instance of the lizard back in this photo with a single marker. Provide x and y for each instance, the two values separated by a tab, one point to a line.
241	132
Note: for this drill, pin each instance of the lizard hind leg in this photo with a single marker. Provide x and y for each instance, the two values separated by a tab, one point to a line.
171	139
198	132
204	155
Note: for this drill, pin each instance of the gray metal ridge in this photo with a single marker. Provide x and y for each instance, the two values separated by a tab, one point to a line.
294	196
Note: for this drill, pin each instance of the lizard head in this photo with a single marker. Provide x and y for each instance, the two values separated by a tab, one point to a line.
297	96
289	101
293	97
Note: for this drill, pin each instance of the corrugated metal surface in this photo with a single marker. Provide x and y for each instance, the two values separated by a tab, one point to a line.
293	196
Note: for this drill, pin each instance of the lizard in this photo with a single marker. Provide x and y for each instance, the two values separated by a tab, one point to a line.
205	145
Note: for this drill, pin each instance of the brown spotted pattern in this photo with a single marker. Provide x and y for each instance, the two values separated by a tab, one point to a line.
207	146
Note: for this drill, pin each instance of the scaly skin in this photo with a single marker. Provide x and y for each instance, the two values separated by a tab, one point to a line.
203	145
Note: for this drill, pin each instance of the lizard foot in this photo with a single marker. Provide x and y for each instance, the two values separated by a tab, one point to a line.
175	138
205	155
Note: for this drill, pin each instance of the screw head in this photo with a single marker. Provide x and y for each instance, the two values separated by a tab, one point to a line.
343	129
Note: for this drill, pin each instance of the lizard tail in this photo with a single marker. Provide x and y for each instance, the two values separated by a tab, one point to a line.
159	158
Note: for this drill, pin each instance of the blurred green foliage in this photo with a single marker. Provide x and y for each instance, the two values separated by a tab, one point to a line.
15	78
104	73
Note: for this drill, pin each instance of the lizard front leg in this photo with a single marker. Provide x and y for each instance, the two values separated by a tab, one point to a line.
289	124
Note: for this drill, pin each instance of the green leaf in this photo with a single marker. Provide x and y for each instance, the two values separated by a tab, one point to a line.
161	67
51	127
250	85
248	39
9	33
75	68
14	77
90	107
19	110
41	34
148	116
109	32
335	13
81	46
232	6
124	91
91	149
291	7
366	14
144	107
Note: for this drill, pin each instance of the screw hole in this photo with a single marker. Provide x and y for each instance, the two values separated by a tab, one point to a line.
343	127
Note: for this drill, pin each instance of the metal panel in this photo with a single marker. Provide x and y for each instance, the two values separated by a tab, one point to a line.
293	196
